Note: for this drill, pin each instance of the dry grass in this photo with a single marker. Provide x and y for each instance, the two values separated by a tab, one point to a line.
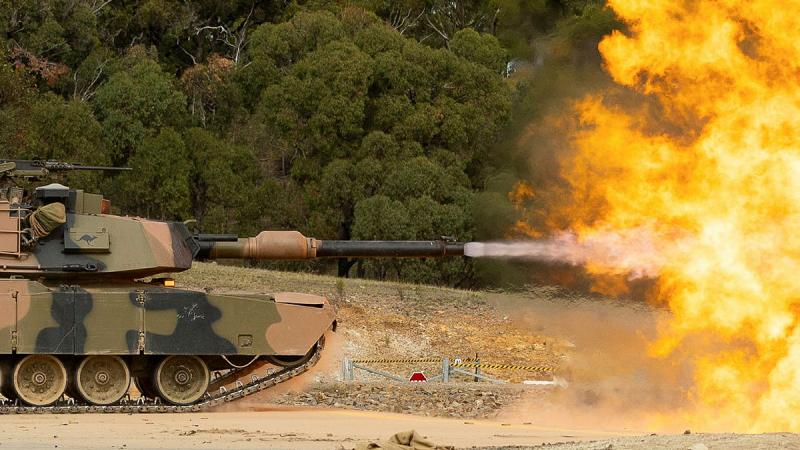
218	276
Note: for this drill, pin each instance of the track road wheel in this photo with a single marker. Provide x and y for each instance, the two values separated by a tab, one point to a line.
39	380
294	361
181	379
102	379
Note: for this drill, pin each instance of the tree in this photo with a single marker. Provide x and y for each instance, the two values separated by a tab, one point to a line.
369	124
483	49
208	87
158	186
222	180
136	102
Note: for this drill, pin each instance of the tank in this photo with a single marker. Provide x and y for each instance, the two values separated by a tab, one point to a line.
86	310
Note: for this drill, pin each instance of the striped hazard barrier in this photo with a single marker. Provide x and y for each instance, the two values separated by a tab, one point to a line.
458	362
448	366
405	360
402	360
543	369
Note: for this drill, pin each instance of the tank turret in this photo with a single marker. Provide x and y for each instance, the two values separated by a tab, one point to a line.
77	319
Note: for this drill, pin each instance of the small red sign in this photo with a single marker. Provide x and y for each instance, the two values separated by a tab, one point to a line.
419	377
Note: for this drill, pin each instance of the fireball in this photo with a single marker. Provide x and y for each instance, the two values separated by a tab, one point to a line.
706	165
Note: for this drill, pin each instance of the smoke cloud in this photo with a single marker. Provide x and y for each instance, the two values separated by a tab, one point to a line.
635	252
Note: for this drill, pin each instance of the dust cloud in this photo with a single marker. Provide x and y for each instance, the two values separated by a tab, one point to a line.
613	382
328	363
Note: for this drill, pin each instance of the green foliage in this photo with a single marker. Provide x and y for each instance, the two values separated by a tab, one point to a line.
380	217
377	125
221	179
483	49
138	99
590	23
158	186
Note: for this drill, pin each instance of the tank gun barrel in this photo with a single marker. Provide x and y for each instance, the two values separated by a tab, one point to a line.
39	168
56	166
292	245
393	249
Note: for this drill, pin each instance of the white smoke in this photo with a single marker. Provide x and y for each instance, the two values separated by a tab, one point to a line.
632	251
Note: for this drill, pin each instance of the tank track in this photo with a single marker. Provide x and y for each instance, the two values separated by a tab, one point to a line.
144	405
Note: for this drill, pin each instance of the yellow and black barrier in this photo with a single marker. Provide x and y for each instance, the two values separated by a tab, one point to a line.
393	361
471	365
456	365
405	360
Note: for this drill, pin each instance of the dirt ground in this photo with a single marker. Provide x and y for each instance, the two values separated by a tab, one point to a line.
311	428
297	428
615	397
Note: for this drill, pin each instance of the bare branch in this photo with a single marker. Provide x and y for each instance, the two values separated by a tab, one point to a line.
438	29
97	5
136	38
178	43
235	39
403	21
495	18
88	92
243	35
425	38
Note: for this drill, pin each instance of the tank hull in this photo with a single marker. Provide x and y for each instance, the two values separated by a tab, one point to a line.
141	319
91	342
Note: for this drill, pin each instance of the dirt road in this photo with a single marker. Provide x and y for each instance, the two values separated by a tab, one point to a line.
275	428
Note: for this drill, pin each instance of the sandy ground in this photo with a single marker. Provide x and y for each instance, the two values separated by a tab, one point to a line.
725	441
307	428
269	428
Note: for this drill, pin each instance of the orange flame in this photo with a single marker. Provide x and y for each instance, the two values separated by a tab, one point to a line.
708	164
521	196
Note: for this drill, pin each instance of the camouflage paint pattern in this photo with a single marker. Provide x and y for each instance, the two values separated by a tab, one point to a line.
150	320
116	247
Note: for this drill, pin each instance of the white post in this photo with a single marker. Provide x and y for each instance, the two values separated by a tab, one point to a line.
347	369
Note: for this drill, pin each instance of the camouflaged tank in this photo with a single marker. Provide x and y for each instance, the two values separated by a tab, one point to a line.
77	324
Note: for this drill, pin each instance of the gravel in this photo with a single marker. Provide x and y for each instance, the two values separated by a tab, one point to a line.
442	400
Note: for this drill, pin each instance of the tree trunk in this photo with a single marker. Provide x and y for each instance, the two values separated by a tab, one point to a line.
343	267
